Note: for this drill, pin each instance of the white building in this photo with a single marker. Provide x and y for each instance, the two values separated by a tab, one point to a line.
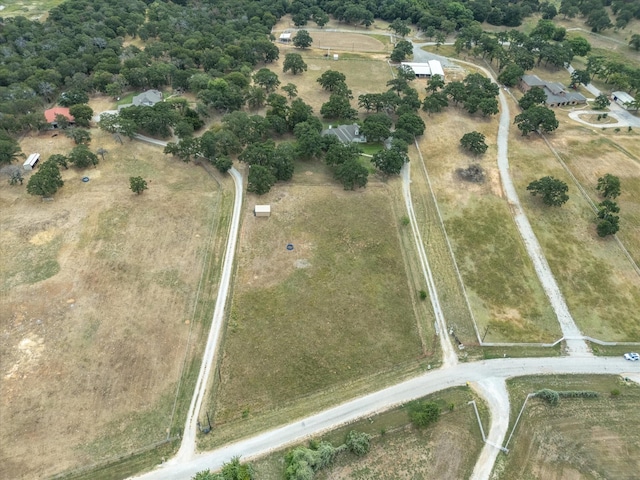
262	211
426	70
624	100
285	37
30	162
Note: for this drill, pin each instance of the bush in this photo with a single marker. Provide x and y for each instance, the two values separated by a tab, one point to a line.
578	394
423	295
358	443
615	392
473	173
549	396
422	414
404	221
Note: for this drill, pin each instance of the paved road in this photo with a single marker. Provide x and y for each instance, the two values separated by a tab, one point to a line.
385	399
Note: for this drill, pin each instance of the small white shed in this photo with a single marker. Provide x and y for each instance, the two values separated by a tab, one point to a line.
31	161
285	37
262	211
624	100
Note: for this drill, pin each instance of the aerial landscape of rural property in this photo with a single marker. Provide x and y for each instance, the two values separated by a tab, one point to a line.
319	239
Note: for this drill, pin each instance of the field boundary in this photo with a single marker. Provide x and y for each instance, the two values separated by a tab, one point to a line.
589	201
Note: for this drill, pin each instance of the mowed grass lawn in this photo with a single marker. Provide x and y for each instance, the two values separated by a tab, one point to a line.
336	308
446	450
599	283
577	438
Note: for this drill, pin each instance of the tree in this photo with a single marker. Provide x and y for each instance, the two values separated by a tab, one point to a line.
579	45
399	27
79	135
338	107
291	89
358	443
599	20
579	77
535	118
609	186
222	163
510	75
331	79
102	152
338	153
376	127
412	123
352	174
435	83
474	142
9	149
320	18
389	162
635	41
46	181
15	176
293	62
608	226
82	157
552	190
309	140
302	39
435	102
137	184
261	179
535	96
232	470
401	51
267	79
113	123
601	102
423	413
73	97
82	114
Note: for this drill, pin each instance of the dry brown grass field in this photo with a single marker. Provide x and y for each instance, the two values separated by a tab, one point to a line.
505	295
578	438
599	282
446	450
98	293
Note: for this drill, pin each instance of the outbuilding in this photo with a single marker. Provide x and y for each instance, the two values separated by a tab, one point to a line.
427	69
262	211
624	100
31	161
52	115
285	37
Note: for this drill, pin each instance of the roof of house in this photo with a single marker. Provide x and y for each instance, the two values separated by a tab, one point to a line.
285	36
50	115
624	97
262	209
556	92
345	133
148	98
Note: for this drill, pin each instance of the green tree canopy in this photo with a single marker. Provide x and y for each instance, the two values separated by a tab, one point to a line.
536	117
82	157
389	162
376	127
137	185
294	63
46	181
82	114
260	180
9	149
267	79
423	413
534	96
552	190
302	39
474	142
331	79
609	186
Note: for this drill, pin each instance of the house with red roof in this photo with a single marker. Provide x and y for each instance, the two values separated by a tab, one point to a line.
51	116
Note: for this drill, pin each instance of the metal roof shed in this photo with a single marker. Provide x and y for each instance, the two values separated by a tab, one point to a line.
262	210
31	161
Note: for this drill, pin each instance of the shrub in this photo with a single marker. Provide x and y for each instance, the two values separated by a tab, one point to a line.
423	295
423	414
578	394
549	396
404	221
358	443
615	392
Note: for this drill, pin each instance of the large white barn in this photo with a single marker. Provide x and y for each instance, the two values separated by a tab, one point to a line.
426	70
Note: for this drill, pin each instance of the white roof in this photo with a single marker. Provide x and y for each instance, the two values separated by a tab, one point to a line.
436	68
285	36
418	68
624	97
262	209
31	161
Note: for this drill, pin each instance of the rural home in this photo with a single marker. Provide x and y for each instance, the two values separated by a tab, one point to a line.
31	161
426	70
148	98
346	133
624	100
285	37
50	116
262	211
557	94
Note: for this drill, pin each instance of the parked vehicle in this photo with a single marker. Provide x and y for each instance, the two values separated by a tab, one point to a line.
632	356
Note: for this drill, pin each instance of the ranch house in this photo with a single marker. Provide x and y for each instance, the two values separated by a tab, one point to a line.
346	133
557	94
50	116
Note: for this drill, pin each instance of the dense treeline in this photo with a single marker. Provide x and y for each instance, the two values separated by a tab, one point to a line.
80	48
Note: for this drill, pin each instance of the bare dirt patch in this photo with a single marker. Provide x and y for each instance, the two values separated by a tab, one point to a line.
348	42
96	286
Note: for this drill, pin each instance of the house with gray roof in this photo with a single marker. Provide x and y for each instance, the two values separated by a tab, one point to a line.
148	98
346	133
557	93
